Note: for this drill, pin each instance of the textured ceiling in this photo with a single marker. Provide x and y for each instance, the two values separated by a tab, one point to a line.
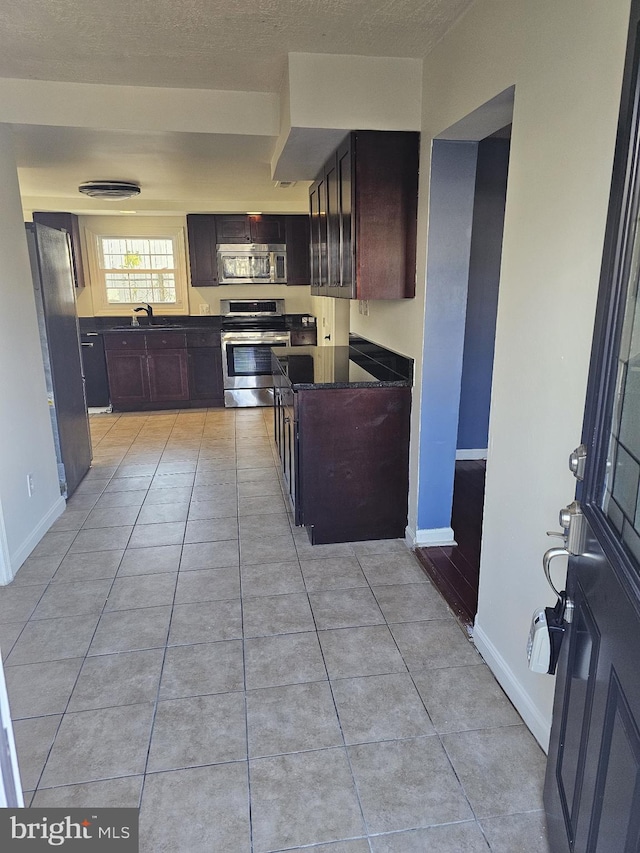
237	45
206	44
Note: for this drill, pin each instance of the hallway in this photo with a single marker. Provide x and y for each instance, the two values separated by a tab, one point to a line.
173	643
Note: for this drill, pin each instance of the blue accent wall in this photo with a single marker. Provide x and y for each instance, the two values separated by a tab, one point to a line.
451	200
482	299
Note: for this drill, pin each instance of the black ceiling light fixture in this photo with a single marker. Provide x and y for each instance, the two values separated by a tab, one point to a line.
110	189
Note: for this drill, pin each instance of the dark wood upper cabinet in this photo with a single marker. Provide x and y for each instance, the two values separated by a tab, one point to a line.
314	236
367	197
345	192
267	229
201	234
246	228
297	241
321	236
206	230
66	222
332	226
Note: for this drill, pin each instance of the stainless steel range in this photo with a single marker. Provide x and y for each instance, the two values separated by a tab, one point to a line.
250	327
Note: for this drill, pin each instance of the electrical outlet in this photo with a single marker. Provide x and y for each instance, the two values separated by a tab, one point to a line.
363	307
205	309
29	484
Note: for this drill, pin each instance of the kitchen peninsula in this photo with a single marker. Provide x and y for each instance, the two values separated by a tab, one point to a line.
341	425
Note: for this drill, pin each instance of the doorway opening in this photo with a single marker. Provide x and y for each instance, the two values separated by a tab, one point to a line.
453	563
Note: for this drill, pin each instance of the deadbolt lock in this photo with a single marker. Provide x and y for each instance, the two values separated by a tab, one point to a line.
577	461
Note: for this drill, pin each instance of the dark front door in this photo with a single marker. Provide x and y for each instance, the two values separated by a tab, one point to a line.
63	343
592	790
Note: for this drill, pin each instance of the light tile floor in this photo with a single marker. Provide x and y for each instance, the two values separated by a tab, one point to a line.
172	642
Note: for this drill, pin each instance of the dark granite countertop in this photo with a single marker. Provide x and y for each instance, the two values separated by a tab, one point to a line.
181	323
362	364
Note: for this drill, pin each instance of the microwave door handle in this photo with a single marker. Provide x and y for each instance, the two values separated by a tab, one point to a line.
278	275
272	267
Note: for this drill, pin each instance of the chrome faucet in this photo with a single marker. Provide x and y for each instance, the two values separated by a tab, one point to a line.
147	309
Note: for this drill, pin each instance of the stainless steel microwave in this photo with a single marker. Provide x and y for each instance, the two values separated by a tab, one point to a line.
252	264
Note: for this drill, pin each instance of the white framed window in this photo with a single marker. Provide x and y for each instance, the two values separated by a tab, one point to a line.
131	263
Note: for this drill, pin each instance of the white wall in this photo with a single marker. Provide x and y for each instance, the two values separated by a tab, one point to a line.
565	59
352	92
26	440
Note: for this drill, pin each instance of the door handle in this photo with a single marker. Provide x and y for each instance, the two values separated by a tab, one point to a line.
550	555
87	344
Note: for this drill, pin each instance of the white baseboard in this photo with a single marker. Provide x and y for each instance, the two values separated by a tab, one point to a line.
429	537
18	557
535	721
475	453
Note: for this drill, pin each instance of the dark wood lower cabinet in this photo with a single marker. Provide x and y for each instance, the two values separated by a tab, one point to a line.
128	378
345	459
285	438
168	375
205	374
155	370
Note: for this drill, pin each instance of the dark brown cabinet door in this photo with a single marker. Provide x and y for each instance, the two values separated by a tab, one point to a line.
385	196
205	374
233	229
243	228
323	237
308	336
354	488
168	374
285	439
366	202
333	226
297	241
345	220
128	377
66	222
201	233
314	237
267	229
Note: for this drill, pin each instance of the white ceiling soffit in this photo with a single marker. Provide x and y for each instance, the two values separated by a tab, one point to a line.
305	151
176	172
325	96
207	44
483	121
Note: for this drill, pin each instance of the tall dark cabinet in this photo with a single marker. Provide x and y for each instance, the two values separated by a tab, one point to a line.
203	240
363	209
66	222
